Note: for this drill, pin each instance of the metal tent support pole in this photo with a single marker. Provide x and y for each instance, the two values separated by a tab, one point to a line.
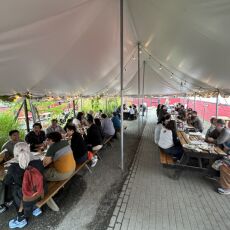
26	115
122	87
16	117
139	85
74	108
194	102
32	111
217	103
143	94
81	103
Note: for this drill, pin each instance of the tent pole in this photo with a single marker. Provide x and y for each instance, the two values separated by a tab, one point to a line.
74	108
121	69
139	87
194	102
217	103
81	104
32	111
16	117
26	115
143	93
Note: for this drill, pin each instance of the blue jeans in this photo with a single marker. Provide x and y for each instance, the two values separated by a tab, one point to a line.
175	151
82	159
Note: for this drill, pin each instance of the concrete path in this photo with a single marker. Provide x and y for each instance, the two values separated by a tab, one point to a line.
151	200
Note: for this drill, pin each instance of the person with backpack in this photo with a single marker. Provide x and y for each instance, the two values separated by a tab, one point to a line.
25	177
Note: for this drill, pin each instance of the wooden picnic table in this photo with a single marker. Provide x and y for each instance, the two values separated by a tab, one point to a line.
213	155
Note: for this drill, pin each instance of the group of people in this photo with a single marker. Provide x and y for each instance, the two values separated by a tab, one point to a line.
64	148
218	134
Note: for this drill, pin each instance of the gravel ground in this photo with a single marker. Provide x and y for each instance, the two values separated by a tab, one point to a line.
88	200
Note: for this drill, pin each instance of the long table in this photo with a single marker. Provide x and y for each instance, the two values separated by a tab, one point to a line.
213	155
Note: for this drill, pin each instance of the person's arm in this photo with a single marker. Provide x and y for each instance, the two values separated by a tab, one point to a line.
47	161
175	139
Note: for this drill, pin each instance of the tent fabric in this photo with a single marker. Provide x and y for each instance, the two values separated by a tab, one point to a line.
72	47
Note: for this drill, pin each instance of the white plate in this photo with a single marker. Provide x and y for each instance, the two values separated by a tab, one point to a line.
188	146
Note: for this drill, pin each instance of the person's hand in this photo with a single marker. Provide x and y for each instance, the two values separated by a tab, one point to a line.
210	139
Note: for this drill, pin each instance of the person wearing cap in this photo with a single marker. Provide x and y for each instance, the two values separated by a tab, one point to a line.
213	136
55	127
14	178
8	147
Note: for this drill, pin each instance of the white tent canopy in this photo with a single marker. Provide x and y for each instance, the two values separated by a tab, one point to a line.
71	47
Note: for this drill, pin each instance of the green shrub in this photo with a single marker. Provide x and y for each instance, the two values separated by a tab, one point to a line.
8	123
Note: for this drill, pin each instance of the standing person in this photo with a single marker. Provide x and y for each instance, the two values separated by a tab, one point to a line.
77	144
15	177
196	122
8	147
59	158
36	137
55	127
116	123
107	126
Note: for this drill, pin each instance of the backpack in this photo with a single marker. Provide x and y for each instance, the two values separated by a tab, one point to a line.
32	184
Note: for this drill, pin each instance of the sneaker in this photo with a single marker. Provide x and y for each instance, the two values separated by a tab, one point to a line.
15	223
94	161
224	191
37	212
9	203
2	208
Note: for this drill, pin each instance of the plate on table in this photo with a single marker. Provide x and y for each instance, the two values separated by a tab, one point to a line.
195	134
205	147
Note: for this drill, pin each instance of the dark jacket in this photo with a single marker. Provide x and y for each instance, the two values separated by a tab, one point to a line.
33	139
197	124
93	136
14	178
78	146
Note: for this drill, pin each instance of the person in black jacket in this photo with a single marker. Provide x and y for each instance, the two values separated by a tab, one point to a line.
93	137
78	144
14	178
36	137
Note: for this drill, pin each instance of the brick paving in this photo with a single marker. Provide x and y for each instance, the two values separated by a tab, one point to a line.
151	200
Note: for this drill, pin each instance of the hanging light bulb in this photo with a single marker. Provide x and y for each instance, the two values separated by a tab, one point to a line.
134	58
160	68
171	75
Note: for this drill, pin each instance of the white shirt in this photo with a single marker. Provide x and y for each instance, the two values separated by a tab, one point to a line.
131	111
166	139
157	133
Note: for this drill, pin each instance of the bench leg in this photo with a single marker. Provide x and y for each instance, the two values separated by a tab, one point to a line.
99	157
52	205
88	168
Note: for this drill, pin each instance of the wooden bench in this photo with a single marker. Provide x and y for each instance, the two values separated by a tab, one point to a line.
55	186
165	159
107	141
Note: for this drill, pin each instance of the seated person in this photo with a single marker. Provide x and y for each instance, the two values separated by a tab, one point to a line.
224	180
36	138
68	122
168	140
80	121
107	126
93	137
116	124
212	138
213	121
78	145
59	158
8	147
166	119
196	122
97	122
55	127
14	178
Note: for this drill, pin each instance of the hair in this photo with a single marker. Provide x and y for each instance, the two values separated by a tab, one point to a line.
37	124
89	118
71	127
159	105
79	115
54	136
100	111
167	116
54	120
103	115
114	114
171	125
97	122
194	112
13	131
22	154
212	120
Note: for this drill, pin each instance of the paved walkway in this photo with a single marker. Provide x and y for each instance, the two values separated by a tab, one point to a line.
151	200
